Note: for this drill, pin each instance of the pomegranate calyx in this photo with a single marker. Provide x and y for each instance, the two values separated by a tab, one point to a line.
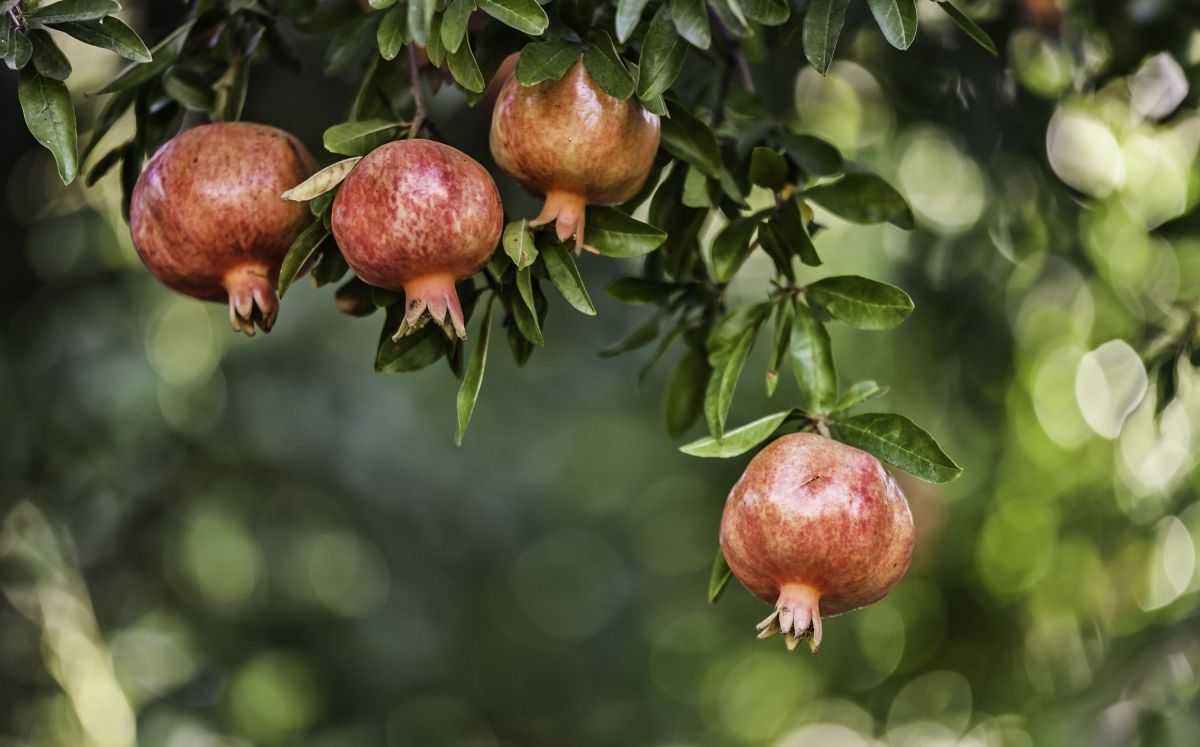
252	299
797	615
568	212
432	298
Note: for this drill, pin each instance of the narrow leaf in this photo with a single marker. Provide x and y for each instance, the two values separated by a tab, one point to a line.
970	27
823	23
860	392
691	21
560	266
663	53
468	392
50	117
605	67
465	69
812	362
73	10
897	20
548	60
393	32
737	441
718	578
860	302
689	139
683	402
454	23
518	243
108	33
898	441
629	12
863	198
523	15
302	250
614	234
361	137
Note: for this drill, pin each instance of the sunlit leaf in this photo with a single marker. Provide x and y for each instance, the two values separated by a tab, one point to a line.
737	441
898	441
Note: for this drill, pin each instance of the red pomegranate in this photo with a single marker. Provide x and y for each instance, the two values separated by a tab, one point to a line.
814	526
573	143
206	216
418	216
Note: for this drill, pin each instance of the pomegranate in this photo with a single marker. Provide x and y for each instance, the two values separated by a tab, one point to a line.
417	216
573	143
815	526
206	216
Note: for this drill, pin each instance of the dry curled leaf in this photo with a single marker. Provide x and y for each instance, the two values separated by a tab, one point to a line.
321	182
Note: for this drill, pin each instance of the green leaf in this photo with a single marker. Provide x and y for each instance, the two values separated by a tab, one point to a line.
898	441
683	402
718	578
108	33
784	312
737	441
823	23
812	362
434	49
523	15
699	191
465	69
106	164
47	57
548	60
768	168
614	234
689	139
860	392
164	53
812	154
970	27
663	53
361	137
50	117
393	32
642	335
454	23
860	302
354	298
349	43
16	45
230	92
629	12
519	243
468	392
560	266
420	20
302	250
413	352
189	88
767	12
729	346
691	21
897	20
731	247
73	10
526	312
863	198
606	68
640	290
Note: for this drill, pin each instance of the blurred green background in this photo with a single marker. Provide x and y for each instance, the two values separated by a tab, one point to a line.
213	541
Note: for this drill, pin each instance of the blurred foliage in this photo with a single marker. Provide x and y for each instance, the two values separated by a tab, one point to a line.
225	542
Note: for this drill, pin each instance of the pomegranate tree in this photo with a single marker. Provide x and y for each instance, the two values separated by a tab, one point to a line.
573	143
207	220
418	216
814	526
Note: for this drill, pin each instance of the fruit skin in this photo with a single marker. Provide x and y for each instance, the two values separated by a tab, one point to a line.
207	219
573	143
417	215
815	527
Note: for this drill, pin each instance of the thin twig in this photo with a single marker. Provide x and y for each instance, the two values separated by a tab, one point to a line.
414	74
718	112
